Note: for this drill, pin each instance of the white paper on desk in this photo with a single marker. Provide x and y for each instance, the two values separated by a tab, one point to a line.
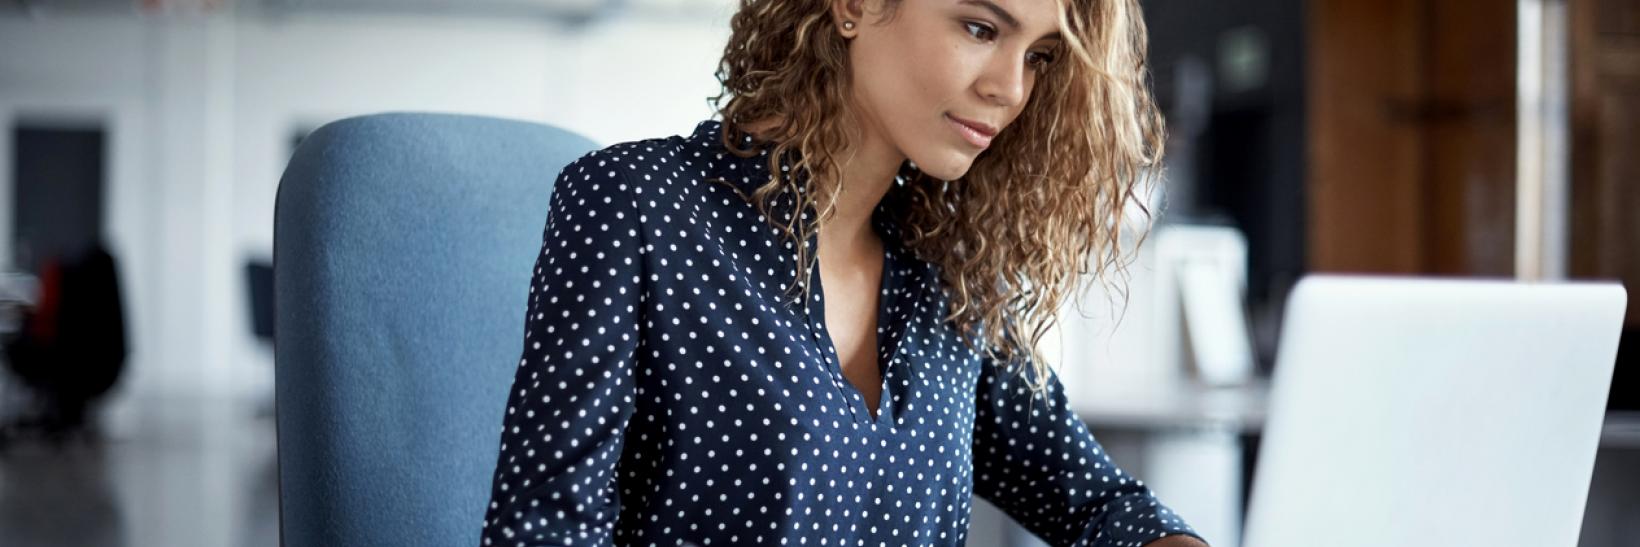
1213	318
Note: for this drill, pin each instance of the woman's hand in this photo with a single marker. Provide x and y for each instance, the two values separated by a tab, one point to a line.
1177	541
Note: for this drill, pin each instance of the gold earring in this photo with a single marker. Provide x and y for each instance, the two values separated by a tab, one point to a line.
848	25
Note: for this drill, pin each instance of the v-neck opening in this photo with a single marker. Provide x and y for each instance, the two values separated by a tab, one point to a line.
884	336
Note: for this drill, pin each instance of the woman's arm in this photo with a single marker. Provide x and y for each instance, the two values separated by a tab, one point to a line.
1035	460
1177	541
572	394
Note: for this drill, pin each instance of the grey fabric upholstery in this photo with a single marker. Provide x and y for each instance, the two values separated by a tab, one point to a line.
403	249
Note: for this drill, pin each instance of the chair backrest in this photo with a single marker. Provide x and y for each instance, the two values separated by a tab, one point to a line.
403	249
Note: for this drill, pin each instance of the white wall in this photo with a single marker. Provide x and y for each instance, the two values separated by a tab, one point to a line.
201	110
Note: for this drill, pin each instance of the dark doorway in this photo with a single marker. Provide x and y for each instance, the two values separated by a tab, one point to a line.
57	174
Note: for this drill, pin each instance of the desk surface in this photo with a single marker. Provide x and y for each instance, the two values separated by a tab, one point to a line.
1188	407
1622	430
1242	409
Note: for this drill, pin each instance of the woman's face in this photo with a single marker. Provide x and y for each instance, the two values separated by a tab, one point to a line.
940	61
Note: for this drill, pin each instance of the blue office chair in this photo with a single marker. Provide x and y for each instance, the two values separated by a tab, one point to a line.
403	249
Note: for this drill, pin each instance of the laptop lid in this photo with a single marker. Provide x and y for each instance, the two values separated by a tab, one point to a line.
1434	412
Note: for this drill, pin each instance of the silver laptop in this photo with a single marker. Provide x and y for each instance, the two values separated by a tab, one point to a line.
1415	412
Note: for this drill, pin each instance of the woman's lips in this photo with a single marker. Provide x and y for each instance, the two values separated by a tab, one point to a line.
974	137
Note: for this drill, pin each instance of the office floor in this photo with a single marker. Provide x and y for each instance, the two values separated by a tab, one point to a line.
184	473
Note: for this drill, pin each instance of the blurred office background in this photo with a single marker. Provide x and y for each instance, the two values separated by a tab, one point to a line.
141	144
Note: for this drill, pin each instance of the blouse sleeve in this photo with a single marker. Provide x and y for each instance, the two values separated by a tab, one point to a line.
1035	459
572	393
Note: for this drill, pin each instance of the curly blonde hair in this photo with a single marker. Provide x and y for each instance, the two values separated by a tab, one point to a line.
1089	135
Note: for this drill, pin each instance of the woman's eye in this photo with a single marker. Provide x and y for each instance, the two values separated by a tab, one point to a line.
986	32
1041	61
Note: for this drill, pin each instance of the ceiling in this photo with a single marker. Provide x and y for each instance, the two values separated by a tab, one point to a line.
569	10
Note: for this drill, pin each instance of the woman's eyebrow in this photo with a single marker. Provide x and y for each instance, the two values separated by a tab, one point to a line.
1007	18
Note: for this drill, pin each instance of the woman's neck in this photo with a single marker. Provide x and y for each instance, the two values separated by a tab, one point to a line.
868	168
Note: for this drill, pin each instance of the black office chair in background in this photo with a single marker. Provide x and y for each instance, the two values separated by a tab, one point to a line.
71	348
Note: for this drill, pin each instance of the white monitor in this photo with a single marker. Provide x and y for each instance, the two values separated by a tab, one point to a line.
1434	412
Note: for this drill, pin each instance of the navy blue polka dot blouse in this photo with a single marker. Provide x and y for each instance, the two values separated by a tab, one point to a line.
670	392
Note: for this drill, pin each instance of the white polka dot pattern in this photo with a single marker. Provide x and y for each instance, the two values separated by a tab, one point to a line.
667	395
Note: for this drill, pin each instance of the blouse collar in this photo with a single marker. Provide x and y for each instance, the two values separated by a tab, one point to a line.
749	173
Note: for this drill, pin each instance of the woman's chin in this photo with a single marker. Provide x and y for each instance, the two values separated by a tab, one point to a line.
951	165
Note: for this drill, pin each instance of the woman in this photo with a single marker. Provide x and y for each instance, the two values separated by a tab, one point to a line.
771	331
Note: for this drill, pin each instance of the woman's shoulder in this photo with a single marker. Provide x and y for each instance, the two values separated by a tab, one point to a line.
640	163
656	177
622	157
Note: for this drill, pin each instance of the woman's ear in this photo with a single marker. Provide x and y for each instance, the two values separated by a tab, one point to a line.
848	15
